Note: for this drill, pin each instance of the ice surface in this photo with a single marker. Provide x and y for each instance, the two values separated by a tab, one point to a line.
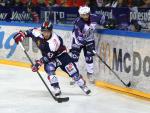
22	91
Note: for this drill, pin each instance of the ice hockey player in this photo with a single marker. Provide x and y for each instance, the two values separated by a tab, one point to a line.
83	38
54	55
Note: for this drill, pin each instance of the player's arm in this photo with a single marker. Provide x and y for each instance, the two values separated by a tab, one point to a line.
21	35
79	36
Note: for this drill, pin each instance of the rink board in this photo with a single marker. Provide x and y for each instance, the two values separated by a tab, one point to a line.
127	56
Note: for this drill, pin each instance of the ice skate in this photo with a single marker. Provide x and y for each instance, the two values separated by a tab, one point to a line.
85	89
57	91
82	84
91	78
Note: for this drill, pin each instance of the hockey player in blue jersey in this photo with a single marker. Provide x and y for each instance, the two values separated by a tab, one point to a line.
83	38
54	55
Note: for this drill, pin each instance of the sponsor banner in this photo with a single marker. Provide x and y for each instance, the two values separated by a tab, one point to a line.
128	57
59	15
18	13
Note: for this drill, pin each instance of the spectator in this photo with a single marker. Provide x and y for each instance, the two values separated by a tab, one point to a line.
2	3
79	3
130	3
67	3
134	26
35	3
47	3
138	3
146	4
10	3
91	3
99	3
58	3
24	2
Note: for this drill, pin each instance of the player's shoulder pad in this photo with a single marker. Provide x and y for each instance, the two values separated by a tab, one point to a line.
76	20
36	32
54	42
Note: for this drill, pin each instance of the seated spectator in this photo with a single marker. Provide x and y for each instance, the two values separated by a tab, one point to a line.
47	3
78	3
134	26
67	3
10	3
99	3
146	4
138	3
91	3
35	3
58	3
24	2
34	15
2	3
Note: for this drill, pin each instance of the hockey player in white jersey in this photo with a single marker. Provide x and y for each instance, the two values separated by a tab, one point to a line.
54	55
83	38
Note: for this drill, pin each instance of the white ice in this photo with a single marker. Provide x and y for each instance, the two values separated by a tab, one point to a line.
22	91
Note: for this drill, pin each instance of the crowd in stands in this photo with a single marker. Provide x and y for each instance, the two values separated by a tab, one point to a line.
77	3
132	4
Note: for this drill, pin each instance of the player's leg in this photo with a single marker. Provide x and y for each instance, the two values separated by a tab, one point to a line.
50	70
75	53
89	61
69	67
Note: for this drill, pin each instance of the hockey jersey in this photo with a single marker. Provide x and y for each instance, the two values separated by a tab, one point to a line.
84	30
49	48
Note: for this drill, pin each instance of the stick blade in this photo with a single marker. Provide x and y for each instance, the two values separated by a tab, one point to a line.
129	84
65	99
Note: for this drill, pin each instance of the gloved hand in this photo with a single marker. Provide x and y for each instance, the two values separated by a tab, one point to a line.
19	37
81	40
90	46
37	65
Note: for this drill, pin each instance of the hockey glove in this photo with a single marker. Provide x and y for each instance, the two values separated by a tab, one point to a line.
90	46
19	37
37	65
81	41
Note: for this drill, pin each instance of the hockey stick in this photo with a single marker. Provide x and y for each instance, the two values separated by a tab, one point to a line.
59	99
127	85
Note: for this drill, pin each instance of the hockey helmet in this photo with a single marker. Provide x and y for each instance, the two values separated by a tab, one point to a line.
46	26
84	10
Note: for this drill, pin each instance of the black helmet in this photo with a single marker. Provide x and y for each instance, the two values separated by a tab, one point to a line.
47	26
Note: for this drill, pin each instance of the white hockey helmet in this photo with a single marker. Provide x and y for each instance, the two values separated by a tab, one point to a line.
84	10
